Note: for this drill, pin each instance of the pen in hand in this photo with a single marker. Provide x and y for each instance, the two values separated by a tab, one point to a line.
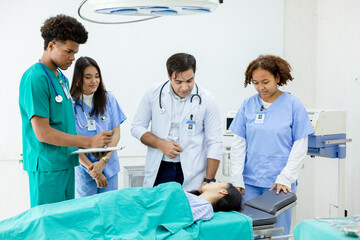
102	131
99	127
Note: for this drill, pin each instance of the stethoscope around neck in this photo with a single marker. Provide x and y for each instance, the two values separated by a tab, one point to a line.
58	97
77	117
162	110
76	103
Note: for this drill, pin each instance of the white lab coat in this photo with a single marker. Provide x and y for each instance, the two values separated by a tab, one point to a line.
205	143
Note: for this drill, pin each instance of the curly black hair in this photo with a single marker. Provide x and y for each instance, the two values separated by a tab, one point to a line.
62	28
274	64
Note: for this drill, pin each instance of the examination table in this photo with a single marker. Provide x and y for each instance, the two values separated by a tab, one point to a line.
263	211
162	212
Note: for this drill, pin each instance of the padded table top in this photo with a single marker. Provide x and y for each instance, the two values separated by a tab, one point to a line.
271	202
259	217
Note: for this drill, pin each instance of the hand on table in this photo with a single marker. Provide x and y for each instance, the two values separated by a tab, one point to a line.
279	187
242	190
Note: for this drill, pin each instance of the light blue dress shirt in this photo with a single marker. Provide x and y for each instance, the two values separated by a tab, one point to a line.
200	208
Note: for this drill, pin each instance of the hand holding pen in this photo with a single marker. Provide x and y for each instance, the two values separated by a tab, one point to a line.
102	139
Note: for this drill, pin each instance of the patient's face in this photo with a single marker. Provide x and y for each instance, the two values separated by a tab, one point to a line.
215	186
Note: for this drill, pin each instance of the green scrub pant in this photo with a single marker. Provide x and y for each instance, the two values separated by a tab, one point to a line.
51	187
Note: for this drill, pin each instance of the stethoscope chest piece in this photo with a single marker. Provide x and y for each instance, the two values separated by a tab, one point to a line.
161	110
103	117
58	98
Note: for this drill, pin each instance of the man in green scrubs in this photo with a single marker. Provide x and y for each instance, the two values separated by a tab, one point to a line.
48	124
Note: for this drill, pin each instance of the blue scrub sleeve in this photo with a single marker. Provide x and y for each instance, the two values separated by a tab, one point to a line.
238	125
302	126
36	96
117	116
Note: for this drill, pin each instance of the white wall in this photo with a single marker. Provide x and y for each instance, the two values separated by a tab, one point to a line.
322	43
300	51
132	58
337	67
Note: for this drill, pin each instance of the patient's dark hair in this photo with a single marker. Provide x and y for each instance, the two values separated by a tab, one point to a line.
230	202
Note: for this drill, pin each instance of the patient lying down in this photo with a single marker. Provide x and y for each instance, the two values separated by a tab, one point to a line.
132	213
215	197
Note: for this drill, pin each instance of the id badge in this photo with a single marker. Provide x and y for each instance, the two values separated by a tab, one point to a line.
260	117
190	127
91	125
65	91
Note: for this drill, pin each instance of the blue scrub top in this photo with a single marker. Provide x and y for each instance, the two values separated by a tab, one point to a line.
269	143
114	116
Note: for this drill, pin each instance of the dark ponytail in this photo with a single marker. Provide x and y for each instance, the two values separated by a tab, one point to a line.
231	202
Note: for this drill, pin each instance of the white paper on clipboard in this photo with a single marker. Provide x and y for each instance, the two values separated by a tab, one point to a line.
92	150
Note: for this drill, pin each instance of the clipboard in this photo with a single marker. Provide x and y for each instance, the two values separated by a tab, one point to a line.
93	150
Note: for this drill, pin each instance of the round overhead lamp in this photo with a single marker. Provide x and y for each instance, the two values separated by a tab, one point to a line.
148	9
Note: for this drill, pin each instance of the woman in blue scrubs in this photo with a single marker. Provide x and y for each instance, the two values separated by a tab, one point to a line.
271	134
96	110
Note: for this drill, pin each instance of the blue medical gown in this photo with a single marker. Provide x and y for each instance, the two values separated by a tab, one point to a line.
269	143
112	118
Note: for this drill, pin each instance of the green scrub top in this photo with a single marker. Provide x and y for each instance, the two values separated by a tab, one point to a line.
37	97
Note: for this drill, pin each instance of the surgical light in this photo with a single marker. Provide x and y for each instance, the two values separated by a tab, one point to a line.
147	9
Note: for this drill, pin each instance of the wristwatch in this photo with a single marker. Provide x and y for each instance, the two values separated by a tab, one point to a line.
209	180
105	159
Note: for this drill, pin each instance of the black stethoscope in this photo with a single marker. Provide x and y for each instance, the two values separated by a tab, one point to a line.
58	97
162	110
